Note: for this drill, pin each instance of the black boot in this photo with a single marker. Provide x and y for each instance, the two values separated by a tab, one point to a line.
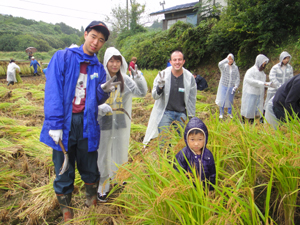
91	194
65	206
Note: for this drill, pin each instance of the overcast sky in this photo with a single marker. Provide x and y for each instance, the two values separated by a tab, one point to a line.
76	14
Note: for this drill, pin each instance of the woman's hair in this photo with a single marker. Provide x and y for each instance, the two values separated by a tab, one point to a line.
12	61
281	64
119	76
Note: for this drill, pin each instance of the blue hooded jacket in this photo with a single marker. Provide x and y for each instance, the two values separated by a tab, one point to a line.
62	75
208	170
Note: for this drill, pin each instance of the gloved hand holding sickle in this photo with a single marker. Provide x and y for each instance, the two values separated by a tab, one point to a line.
57	137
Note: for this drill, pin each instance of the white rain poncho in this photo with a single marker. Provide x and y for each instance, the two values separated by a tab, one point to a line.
230	78
161	101
270	116
115	127
11	72
253	89
279	75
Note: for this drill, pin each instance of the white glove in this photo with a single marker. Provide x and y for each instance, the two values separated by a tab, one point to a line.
161	79
270	84
135	72
233	90
103	109
109	86
56	135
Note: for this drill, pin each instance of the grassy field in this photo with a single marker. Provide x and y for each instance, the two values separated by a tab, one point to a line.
257	169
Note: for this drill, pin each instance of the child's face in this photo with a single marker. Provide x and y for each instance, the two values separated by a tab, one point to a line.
196	142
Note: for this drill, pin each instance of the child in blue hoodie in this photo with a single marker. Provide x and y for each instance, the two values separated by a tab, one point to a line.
196	153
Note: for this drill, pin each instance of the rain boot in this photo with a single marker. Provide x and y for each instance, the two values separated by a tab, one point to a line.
91	194
64	203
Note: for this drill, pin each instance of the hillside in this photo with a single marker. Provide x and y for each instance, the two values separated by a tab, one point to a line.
17	33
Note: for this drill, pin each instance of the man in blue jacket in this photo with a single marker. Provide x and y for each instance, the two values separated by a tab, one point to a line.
35	64
76	85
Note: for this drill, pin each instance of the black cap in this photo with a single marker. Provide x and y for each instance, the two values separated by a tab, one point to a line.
100	26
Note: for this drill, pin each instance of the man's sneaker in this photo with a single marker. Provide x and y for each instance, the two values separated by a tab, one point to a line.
230	116
102	198
221	117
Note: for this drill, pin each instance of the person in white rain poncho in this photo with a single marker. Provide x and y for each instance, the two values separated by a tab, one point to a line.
11	72
253	89
114	118
229	83
174	90
279	74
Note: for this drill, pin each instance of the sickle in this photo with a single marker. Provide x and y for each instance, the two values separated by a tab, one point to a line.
65	165
122	110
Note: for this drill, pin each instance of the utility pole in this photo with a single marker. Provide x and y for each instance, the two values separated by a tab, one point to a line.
162	4
127	14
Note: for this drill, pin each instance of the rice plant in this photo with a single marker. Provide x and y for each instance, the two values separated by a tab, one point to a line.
7	121
43	200
8	179
150	76
247	159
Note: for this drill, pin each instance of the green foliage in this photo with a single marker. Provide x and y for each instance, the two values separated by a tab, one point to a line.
8	42
153	49
69	39
245	28
208	9
16	34
194	43
127	24
249	27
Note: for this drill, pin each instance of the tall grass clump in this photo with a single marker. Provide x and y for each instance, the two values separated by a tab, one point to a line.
150	76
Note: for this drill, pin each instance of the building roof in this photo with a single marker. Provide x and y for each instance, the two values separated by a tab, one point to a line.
176	8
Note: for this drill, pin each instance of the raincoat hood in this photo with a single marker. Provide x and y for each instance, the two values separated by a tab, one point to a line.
84	57
232	56
260	59
195	123
283	55
110	52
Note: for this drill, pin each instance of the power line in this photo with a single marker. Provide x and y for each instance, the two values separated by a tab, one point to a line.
60	7
45	12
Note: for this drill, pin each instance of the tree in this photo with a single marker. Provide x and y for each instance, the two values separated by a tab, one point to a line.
8	42
208	9
248	27
118	20
136	11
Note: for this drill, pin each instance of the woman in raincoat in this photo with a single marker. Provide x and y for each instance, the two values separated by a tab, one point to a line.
254	89
11	72
114	123
229	83
279	74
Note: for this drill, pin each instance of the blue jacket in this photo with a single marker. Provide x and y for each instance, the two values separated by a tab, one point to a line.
61	79
34	63
208	170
